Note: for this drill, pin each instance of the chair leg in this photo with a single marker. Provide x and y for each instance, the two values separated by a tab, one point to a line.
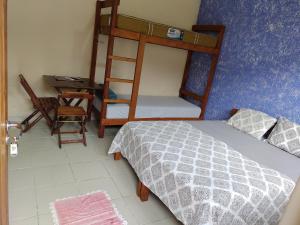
53	128
54	125
47	117
28	125
25	121
59	135
89	109
83	130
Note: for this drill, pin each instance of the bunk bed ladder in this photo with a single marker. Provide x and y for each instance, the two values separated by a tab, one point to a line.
135	82
110	79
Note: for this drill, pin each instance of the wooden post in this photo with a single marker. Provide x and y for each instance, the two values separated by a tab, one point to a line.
110	49
208	87
137	77
186	73
212	71
220	29
106	85
95	43
94	53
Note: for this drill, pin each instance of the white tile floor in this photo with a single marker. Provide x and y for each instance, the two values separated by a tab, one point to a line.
42	173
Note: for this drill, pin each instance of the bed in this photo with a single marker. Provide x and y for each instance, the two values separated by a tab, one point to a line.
207	172
204	39
152	107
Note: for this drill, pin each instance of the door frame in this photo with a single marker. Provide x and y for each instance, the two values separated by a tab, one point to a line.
3	115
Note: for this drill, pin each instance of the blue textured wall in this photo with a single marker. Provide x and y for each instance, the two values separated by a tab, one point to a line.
260	62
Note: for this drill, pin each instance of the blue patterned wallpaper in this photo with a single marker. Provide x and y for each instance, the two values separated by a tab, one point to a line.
260	62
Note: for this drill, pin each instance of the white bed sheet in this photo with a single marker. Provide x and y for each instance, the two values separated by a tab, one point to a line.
153	107
202	180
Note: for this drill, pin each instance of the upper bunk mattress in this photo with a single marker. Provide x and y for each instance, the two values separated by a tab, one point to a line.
153	107
156	29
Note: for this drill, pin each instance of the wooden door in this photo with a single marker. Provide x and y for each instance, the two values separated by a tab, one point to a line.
3	116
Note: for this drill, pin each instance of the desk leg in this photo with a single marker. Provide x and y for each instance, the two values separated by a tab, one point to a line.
89	109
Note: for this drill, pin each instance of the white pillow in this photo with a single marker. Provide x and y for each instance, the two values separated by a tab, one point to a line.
252	122
286	135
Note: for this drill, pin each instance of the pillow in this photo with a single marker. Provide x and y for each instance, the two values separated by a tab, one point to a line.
286	135
252	122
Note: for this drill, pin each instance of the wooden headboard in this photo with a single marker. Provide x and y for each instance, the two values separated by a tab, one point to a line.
233	111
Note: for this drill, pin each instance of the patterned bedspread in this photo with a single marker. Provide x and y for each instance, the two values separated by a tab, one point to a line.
200	179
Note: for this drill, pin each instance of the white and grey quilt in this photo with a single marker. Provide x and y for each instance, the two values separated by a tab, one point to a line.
202	180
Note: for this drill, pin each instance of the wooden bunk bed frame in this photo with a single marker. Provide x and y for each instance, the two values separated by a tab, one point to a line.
143	39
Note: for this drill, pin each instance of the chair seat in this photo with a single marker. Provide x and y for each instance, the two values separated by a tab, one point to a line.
71	111
64	112
49	103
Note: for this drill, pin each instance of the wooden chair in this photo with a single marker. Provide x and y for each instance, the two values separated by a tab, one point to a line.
42	105
71	114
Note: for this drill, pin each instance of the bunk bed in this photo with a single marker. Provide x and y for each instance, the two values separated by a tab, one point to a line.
203	38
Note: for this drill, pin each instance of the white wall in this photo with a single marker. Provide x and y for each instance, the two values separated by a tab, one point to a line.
55	37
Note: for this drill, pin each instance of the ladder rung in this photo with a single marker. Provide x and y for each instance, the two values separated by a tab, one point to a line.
117	101
120	58
119	80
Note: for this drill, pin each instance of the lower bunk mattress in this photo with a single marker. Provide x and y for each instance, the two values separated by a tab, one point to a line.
152	107
204	180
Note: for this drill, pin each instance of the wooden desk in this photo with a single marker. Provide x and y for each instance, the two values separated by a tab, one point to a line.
67	82
76	83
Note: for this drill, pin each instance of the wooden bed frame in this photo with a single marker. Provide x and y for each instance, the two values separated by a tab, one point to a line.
142	191
143	39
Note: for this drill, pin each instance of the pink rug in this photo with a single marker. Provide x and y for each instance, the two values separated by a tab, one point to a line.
91	209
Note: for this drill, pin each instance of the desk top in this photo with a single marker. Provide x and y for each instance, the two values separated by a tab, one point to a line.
70	82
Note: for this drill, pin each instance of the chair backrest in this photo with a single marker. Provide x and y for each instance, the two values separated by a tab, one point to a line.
28	89
34	99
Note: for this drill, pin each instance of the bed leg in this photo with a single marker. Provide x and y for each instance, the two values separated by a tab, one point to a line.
101	131
117	156
138	188
142	191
